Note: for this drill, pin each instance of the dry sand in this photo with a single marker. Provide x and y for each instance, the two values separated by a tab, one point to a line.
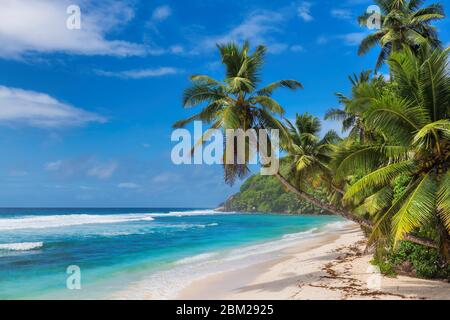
331	266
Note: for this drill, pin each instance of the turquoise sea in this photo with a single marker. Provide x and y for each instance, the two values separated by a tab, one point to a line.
124	251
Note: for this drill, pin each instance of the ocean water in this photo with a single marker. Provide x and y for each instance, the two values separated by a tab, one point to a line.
123	252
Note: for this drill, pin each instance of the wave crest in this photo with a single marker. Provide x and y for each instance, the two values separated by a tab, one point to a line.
21	246
55	221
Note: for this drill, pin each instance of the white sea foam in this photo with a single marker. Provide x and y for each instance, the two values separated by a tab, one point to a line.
166	284
300	234
55	221
197	258
338	225
22	246
207	212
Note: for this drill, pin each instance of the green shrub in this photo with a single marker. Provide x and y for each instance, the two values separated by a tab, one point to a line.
425	260
386	267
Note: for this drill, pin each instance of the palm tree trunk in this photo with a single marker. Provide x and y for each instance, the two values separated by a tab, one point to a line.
444	242
320	204
362	135
333	209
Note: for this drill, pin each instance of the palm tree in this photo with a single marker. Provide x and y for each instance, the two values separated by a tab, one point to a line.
309	155
236	102
415	126
364	90
403	22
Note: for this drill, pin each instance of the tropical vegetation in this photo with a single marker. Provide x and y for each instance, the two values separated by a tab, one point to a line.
265	194
390	173
402	22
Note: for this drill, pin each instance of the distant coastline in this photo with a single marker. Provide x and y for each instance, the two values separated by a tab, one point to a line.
259	194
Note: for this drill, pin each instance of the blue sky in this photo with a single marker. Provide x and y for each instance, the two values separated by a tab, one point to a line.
86	115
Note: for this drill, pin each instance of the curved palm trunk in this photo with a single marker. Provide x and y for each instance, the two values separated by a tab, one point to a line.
321	204
349	216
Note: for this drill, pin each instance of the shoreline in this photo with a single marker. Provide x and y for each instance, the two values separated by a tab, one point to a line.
167	283
331	266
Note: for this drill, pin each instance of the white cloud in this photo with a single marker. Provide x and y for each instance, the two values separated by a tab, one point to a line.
90	167
176	49
128	185
161	13
30	26
304	11
344	14
103	170
53	166
165	177
36	109
258	27
353	39
139	73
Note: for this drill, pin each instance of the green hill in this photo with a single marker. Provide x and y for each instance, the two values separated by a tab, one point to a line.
266	194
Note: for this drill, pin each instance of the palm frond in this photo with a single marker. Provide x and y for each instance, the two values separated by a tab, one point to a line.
290	84
268	103
379	178
417	210
443	200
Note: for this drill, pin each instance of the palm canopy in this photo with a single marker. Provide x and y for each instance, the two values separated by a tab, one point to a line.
403	22
364	91
309	155
414	123
237	102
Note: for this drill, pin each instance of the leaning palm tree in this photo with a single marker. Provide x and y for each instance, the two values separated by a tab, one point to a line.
403	22
236	102
414	122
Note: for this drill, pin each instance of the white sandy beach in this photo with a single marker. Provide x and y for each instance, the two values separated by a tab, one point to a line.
331	266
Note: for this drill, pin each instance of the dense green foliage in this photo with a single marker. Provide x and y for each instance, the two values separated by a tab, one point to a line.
403	22
266	194
390	174
413	259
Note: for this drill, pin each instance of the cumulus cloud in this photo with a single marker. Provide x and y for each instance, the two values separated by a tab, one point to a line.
140	73
30	26
36	109
304	11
